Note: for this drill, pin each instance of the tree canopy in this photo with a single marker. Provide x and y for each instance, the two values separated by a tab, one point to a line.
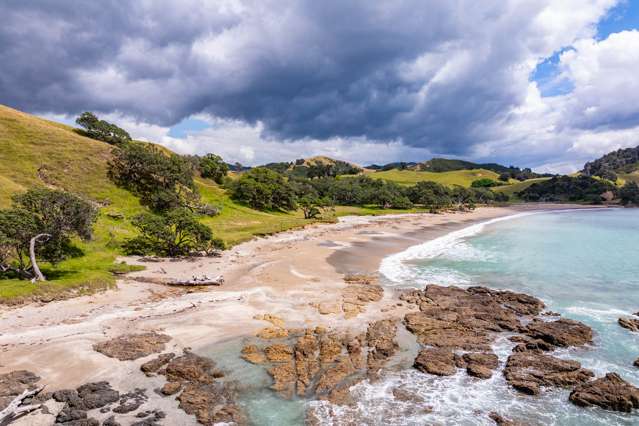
263	189
102	130
213	167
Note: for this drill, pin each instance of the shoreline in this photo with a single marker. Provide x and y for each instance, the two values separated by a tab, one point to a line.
296	275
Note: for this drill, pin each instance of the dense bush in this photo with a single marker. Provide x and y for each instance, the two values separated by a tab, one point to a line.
484	183
430	194
620	161
161	180
629	194
263	189
175	233
568	188
101	130
46	220
213	167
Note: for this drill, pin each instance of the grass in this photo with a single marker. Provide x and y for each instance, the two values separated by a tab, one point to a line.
457	177
38	152
513	188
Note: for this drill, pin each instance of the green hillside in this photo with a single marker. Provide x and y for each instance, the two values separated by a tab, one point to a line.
514	188
456	177
37	152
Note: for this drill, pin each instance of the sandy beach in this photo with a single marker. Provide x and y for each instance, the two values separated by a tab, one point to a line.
297	276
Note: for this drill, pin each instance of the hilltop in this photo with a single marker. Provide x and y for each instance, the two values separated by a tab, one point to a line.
622	163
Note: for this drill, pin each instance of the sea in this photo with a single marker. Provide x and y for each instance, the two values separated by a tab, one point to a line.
584	264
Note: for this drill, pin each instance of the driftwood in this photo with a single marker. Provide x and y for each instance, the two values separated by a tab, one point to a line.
15	409
195	281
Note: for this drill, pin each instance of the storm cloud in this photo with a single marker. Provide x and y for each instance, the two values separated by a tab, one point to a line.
448	77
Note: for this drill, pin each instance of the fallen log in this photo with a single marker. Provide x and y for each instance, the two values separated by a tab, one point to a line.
15	409
193	282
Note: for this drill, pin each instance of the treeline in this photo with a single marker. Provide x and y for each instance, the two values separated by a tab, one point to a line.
584	189
608	166
264	189
314	169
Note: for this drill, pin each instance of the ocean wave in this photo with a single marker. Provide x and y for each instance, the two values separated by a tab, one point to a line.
397	270
601	315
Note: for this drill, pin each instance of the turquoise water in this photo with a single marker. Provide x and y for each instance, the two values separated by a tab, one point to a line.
583	264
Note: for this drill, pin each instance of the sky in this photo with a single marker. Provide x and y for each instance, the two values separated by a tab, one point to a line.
547	84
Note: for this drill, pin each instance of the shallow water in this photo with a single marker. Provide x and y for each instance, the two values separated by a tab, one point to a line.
583	264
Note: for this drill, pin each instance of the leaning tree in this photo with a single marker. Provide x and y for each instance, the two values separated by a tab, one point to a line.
40	225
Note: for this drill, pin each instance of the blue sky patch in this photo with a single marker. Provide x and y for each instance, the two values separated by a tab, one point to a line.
186	126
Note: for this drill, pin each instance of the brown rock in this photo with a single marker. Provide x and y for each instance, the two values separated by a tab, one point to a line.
253	354
636	363
191	368
480	365
631	324
132	346
272	333
334	375
355	351
610	392
330	349
528	371
327	308
171	388
154	365
479	371
306	361
279	353
407	396
502	421
380	336
284	378
210	403
440	362
563	332
14	383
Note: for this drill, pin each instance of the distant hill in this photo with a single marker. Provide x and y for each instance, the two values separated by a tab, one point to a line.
622	161
317	166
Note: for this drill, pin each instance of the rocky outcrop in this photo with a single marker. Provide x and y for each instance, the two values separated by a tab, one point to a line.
202	393
636	363
631	324
480	365
502	421
437	361
14	383
380	337
133	346
87	397
153	366
529	371
456	318
610	392
360	291
272	333
253	354
560	333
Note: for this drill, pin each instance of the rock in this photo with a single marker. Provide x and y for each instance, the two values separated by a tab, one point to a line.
332	376
110	422
306	362
479	371
380	337
330	349
360	291
272	333
253	354
171	388
273	319
406	396
328	308
563	332
610	392
284	379
440	362
636	363
13	384
155	364
631	324
279	353
501	421
191	368
97	395
132	346
528	371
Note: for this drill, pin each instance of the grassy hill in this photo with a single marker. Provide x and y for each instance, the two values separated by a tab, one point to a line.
37	152
456	177
516	187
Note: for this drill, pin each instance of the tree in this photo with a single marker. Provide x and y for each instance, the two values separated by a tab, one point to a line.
629	194
40	225
175	233
313	206
213	167
263	189
162	180
483	183
102	130
430	194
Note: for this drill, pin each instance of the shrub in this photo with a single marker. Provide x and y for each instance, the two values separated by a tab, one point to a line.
484	183
213	167
175	233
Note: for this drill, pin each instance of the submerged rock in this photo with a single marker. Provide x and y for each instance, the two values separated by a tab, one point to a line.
253	354
211	403
528	371
610	392
631	324
133	346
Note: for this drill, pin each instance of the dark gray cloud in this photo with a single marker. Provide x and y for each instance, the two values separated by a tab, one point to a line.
437	74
